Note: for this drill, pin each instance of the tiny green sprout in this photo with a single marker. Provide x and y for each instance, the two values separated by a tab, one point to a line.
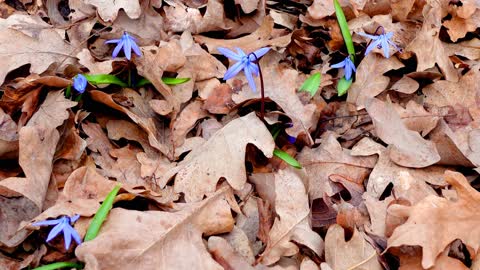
344	84
59	265
287	158
312	83
101	215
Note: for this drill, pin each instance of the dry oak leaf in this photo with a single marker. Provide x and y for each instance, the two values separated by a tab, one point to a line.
443	262
435	222
225	255
427	45
407	147
280	84
293	221
386	171
159	240
186	121
368	86
262	37
37	141
18	49
416	118
108	9
330	158
223	155
341	255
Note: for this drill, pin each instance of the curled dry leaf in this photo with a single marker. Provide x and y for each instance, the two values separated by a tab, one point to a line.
225	255
367	86
407	147
156	239
341	255
108	9
441	220
202	168
292	223
328	159
38	141
18	49
186	121
416	118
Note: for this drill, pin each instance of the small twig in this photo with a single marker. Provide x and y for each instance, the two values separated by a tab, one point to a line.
364	261
262	88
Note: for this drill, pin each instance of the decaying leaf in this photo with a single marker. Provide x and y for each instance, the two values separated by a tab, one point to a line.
292	224
435	222
108	9
202	168
407	148
157	239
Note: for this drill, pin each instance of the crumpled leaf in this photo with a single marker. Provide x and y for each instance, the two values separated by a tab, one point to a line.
341	255
440	219
330	158
170	237
108	9
292	223
18	49
202	168
407	147
367	86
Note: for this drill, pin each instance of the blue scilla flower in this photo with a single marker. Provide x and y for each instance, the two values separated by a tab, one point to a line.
380	41
128	43
244	62
63	224
348	66
80	83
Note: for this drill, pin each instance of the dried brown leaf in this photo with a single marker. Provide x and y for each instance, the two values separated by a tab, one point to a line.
108	9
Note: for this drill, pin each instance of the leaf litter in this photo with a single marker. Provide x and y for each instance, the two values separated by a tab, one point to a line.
388	173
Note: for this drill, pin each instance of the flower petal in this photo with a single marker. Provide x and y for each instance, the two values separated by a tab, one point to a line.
47	222
136	49
55	231
241	53
233	70
251	81
386	48
127	48
67	236
254	69
258	53
339	65
348	72
112	41
76	237
228	53
372	46
117	49
369	36
74	218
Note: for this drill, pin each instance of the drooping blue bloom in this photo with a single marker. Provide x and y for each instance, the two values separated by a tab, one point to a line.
380	41
80	83
62	224
291	139
244	62
348	66
128	43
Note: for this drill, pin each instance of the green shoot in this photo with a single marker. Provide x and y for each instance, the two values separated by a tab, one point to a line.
287	158
166	80
97	79
343	86
312	83
101	215
59	265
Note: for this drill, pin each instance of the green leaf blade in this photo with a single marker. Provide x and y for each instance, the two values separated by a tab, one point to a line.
312	83
342	22
343	86
59	265
97	79
287	158
101	215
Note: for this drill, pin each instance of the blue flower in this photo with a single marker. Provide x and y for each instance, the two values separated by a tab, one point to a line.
244	62
62	224
80	83
348	65
128	43
380	41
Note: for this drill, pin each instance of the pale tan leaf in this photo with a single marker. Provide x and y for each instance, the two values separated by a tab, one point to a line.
156	239
292	223
18	49
367	86
53	111
440	219
108	9
201	169
342	255
407	148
